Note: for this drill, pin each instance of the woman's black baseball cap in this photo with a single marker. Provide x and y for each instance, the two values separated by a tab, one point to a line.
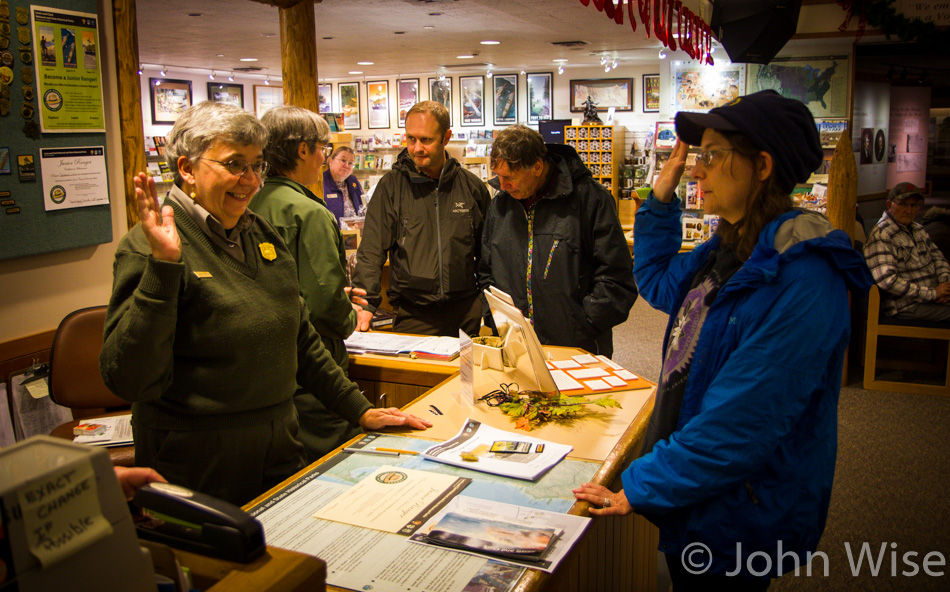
782	127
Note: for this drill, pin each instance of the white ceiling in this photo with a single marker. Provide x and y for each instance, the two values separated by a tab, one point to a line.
365	30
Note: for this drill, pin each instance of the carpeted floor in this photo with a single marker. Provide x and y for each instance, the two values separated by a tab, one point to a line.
892	483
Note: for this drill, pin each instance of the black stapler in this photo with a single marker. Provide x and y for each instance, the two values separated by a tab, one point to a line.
192	521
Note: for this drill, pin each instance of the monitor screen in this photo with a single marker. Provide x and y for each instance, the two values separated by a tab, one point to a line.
552	130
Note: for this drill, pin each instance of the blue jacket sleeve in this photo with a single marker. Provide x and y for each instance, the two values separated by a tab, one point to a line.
784	352
657	237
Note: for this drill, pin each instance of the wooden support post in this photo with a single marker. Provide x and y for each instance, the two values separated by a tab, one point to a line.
130	100
298	55
843	200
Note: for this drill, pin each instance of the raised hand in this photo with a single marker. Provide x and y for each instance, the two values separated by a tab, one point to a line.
375	419
158	223
670	174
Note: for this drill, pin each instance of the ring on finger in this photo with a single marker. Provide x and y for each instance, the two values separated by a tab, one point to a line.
606	503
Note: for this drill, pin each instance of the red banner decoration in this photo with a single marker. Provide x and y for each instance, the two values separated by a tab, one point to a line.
695	36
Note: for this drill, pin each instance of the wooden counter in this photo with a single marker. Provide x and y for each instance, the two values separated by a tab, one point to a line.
615	553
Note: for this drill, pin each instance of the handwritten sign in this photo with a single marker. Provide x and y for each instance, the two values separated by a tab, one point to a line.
74	177
61	513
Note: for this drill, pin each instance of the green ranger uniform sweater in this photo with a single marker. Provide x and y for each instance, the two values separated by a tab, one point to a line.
210	342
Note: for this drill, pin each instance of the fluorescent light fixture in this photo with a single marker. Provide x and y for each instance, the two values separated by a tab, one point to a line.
355	72
466	56
364	63
248	59
490	42
559	60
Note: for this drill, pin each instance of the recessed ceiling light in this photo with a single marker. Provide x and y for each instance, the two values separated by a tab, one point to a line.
466	56
364	63
490	42
248	59
429	28
355	71
559	60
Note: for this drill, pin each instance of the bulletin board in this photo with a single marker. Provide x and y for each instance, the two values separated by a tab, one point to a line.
51	97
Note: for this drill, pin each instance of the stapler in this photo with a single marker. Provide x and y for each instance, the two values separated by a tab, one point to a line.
195	522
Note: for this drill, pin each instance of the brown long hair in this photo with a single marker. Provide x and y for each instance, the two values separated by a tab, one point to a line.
766	203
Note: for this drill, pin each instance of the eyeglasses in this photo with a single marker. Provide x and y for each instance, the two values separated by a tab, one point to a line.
238	168
706	157
916	205
346	163
327	151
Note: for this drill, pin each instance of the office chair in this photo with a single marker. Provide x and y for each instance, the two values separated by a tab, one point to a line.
74	378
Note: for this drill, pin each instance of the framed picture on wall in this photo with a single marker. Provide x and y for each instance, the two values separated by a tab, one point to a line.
540	96
440	91
605	93
506	99
651	93
224	92
169	98
472	100
377	103
325	97
699	88
267	97
350	104
408	91
825	77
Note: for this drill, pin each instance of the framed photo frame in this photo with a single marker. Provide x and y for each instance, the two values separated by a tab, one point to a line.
651	93
472	100
827	74
325	97
267	97
699	89
440	91
226	92
540	86
349	97
169	98
506	99
605	92
407	91
377	104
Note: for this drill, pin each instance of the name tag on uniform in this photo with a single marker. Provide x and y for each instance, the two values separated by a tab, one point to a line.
202	274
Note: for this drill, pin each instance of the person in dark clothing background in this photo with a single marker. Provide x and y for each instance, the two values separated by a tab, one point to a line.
553	242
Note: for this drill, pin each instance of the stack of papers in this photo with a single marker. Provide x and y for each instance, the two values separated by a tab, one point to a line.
483	448
496	530
389	344
117	432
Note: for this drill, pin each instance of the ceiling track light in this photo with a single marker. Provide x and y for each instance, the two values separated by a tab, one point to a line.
267	80
140	70
560	69
614	65
162	71
211	76
231	77
890	73
662	54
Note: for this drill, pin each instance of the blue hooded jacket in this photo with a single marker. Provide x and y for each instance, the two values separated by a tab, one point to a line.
752	458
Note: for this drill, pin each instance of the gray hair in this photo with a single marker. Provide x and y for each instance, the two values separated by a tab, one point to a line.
287	127
436	110
202	125
519	146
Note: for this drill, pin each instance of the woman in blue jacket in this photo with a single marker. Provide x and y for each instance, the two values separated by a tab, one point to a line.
739	455
341	189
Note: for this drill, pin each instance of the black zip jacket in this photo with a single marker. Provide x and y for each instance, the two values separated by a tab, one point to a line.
581	274
430	230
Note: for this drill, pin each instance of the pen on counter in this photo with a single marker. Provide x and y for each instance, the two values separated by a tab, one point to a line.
378	451
396	450
435	410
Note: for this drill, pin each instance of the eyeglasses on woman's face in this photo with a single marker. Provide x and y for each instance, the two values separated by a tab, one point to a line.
238	167
708	157
344	163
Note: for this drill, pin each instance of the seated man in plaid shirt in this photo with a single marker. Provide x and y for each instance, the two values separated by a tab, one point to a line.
907	266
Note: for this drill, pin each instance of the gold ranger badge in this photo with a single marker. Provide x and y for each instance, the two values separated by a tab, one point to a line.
268	251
